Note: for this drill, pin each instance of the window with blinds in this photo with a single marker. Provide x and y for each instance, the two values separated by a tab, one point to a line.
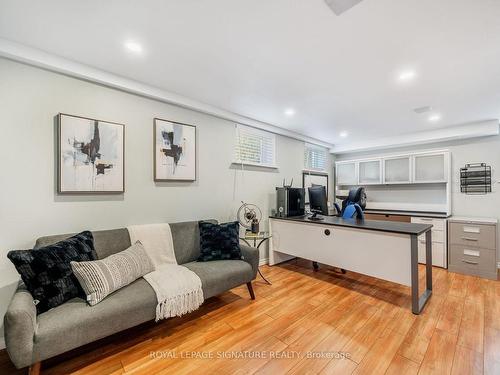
255	147
315	157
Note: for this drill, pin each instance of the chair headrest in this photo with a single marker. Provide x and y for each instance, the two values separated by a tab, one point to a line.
355	194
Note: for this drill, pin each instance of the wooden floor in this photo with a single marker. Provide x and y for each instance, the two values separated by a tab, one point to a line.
311	323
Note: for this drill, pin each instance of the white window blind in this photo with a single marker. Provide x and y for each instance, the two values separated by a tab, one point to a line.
255	147
315	157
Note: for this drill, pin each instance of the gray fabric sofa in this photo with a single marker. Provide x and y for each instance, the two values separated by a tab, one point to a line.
31	338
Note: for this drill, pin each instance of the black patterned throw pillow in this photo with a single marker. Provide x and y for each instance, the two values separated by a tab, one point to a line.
47	272
219	241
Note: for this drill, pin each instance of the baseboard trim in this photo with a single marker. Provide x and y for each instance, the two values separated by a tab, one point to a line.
263	261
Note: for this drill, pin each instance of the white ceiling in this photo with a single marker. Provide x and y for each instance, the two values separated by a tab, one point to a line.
258	57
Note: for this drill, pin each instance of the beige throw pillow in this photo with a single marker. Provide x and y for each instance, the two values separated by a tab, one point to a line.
100	278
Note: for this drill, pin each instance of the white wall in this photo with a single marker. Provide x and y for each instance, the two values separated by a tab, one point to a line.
485	150
30	98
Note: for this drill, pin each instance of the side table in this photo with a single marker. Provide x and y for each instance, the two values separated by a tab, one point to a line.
261	237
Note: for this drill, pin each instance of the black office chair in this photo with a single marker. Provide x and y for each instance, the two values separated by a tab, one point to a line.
353	205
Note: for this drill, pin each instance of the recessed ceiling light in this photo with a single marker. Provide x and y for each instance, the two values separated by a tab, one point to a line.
344	134
435	117
289	112
407	75
133	46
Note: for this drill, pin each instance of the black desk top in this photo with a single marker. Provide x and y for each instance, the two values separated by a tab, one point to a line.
379	225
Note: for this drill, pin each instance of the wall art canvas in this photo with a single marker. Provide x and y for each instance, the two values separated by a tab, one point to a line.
91	155
174	151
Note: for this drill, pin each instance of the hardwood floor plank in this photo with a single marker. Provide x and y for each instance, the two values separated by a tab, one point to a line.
332	345
379	358
458	286
467	361
491	351
418	337
305	343
471	331
339	367
364	339
492	304
451	316
401	365
440	353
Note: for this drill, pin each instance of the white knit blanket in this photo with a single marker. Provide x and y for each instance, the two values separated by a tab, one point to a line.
178	289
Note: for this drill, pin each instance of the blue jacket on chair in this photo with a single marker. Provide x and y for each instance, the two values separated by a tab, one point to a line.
353	205
353	210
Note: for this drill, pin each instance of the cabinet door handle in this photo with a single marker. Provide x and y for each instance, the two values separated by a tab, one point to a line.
469	261
469	239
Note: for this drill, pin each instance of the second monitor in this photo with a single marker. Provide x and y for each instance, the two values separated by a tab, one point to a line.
318	200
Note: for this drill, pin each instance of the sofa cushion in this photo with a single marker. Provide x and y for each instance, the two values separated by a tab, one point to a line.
106	242
219	241
99	278
47	272
75	323
186	237
219	276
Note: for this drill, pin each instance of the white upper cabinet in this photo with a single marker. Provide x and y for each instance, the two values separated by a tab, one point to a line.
411	168
430	168
370	172
347	173
397	170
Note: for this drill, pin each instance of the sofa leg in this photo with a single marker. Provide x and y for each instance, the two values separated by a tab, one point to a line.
250	290
35	368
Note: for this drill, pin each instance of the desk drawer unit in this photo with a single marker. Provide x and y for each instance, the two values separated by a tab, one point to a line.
473	247
439	241
477	235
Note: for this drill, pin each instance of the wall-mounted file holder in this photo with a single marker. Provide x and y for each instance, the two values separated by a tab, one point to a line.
475	178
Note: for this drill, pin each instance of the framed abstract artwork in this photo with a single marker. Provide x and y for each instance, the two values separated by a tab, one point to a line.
174	151
90	156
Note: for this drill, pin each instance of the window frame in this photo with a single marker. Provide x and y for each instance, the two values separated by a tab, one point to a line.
308	147
257	133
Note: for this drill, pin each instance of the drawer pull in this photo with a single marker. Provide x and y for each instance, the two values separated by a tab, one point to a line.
469	261
425	219
471	229
472	253
469	239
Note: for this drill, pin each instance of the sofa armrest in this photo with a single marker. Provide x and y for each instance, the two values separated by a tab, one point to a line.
251	256
20	326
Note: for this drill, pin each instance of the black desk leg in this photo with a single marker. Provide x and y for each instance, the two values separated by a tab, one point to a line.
418	302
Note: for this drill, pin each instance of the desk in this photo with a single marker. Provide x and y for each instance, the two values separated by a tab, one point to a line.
383	249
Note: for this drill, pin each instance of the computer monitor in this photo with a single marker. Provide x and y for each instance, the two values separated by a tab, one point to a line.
318	199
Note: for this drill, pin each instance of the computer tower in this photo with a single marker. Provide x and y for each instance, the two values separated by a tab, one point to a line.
290	201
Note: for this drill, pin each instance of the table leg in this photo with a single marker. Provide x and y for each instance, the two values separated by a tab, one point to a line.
266	280
260	273
418	302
